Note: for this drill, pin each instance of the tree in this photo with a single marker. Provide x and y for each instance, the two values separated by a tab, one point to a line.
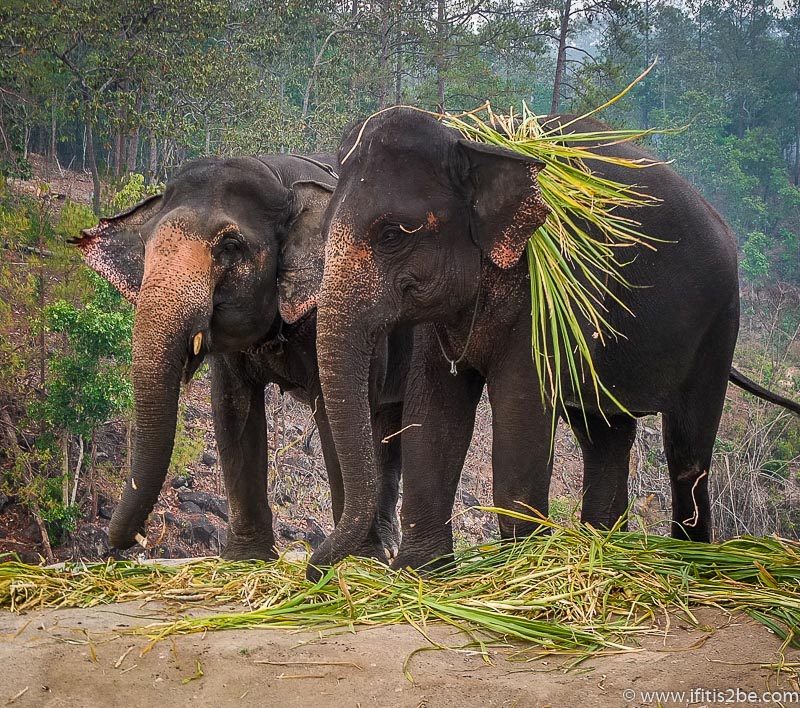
88	380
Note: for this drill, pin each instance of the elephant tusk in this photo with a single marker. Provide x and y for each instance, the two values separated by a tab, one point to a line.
141	540
197	343
410	231
133	483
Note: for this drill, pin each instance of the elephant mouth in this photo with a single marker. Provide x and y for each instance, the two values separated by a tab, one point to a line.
196	353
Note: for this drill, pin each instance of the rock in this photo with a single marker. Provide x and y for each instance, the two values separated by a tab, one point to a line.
192	413
200	530
160	551
315	534
30	534
290	533
184	480
105	507
208	459
207	502
90	541
5	500
170	518
188	507
30	557
469	499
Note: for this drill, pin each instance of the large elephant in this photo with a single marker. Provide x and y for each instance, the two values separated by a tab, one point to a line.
226	265
427	227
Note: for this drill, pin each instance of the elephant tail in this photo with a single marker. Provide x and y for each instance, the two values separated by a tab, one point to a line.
738	378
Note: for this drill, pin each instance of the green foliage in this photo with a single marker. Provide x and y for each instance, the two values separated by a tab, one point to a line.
18	167
217	77
14	223
784	452
131	193
60	519
755	263
74	217
87	382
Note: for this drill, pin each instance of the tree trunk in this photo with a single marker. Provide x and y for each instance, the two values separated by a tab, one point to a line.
398	67
65	469
53	142
93	166
441	19
383	60
153	164
133	138
118	143
561	57
351	83
797	147
78	465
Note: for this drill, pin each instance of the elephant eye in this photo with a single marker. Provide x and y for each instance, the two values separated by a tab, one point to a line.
231	247
392	235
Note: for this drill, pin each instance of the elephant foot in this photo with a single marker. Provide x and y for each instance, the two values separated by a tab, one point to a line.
389	534
422	562
255	547
328	555
699	533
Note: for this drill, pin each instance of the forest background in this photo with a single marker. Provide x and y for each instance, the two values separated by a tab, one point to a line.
126	92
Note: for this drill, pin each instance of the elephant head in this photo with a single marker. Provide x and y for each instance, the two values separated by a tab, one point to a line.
230	250
417	214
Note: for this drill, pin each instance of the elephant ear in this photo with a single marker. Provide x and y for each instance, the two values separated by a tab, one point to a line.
507	204
303	250
115	247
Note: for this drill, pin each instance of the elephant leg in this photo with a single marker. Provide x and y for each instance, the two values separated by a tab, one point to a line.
386	422
606	448
443	406
689	436
522	444
329	456
241	430
690	430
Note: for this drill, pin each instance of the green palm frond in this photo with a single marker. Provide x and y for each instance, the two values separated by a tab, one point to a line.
577	257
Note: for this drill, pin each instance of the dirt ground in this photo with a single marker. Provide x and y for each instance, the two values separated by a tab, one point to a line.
47	661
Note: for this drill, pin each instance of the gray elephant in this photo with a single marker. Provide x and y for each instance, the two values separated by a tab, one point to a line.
426	227
226	266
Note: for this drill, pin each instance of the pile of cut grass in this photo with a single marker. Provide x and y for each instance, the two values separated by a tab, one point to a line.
574	589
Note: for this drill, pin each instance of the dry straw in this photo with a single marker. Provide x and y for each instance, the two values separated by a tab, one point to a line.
573	589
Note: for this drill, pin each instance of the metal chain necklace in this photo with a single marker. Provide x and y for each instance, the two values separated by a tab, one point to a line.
454	362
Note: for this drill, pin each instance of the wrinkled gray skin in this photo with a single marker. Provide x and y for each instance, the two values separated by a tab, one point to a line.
226	266
427	227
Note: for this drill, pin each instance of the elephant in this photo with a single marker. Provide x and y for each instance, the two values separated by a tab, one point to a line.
225	266
430	229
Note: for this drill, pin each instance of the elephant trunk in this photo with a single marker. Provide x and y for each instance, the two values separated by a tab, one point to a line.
344	359
170	311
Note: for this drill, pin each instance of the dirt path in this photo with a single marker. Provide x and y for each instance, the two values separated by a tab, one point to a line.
46	655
